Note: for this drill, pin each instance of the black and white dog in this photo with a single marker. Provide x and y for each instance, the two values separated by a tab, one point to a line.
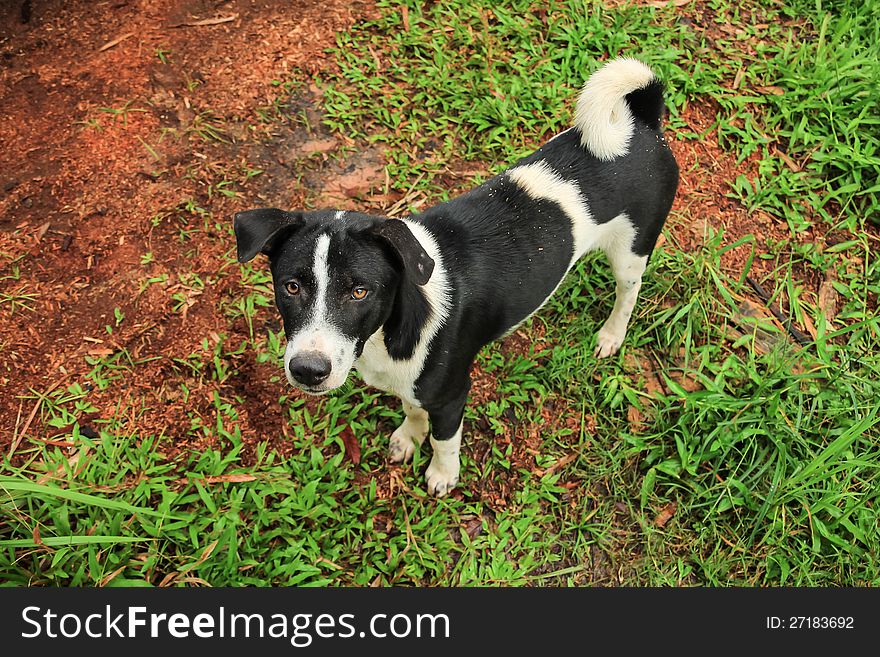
409	302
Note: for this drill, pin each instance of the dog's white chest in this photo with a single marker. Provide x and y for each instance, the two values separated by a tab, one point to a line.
381	371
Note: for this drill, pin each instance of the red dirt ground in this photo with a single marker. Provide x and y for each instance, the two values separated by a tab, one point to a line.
88	193
75	217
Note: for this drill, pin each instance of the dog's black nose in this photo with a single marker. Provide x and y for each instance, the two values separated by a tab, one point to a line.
310	368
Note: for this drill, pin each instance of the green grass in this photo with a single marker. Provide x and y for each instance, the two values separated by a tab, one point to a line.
770	457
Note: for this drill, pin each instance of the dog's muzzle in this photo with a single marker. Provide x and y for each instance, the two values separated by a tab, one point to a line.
310	369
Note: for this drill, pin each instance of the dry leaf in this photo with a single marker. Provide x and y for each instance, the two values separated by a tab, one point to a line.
665	514
330	563
738	79
752	319
791	164
108	578
168	579
561	463
811	328
42	230
636	419
473	527
230	479
206	553
772	90
828	298
352	447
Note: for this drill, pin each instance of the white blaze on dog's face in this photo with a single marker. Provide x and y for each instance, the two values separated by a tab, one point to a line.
337	277
319	355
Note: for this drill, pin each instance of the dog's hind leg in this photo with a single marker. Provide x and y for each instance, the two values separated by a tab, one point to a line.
411	432
628	269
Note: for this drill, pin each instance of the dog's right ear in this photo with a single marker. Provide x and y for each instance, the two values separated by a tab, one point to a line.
258	231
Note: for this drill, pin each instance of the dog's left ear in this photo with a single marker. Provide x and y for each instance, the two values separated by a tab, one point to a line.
258	231
417	264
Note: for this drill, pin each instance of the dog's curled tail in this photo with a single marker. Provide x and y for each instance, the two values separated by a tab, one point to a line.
621	92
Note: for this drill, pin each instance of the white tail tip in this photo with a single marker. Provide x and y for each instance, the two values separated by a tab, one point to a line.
603	117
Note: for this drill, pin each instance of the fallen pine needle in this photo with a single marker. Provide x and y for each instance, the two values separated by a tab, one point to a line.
207	21
115	41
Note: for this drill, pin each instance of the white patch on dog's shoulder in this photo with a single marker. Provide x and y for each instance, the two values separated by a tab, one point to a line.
376	365
539	181
319	334
602	115
339	214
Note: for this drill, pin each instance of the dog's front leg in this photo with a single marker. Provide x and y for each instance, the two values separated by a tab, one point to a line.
410	433
442	473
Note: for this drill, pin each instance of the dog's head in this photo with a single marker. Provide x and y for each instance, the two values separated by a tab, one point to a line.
338	279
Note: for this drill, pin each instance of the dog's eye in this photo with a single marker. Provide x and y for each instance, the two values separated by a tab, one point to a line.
359	293
292	288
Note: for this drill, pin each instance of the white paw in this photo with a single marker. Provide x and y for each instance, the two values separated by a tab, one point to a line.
404	441
402	447
608	343
442	475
